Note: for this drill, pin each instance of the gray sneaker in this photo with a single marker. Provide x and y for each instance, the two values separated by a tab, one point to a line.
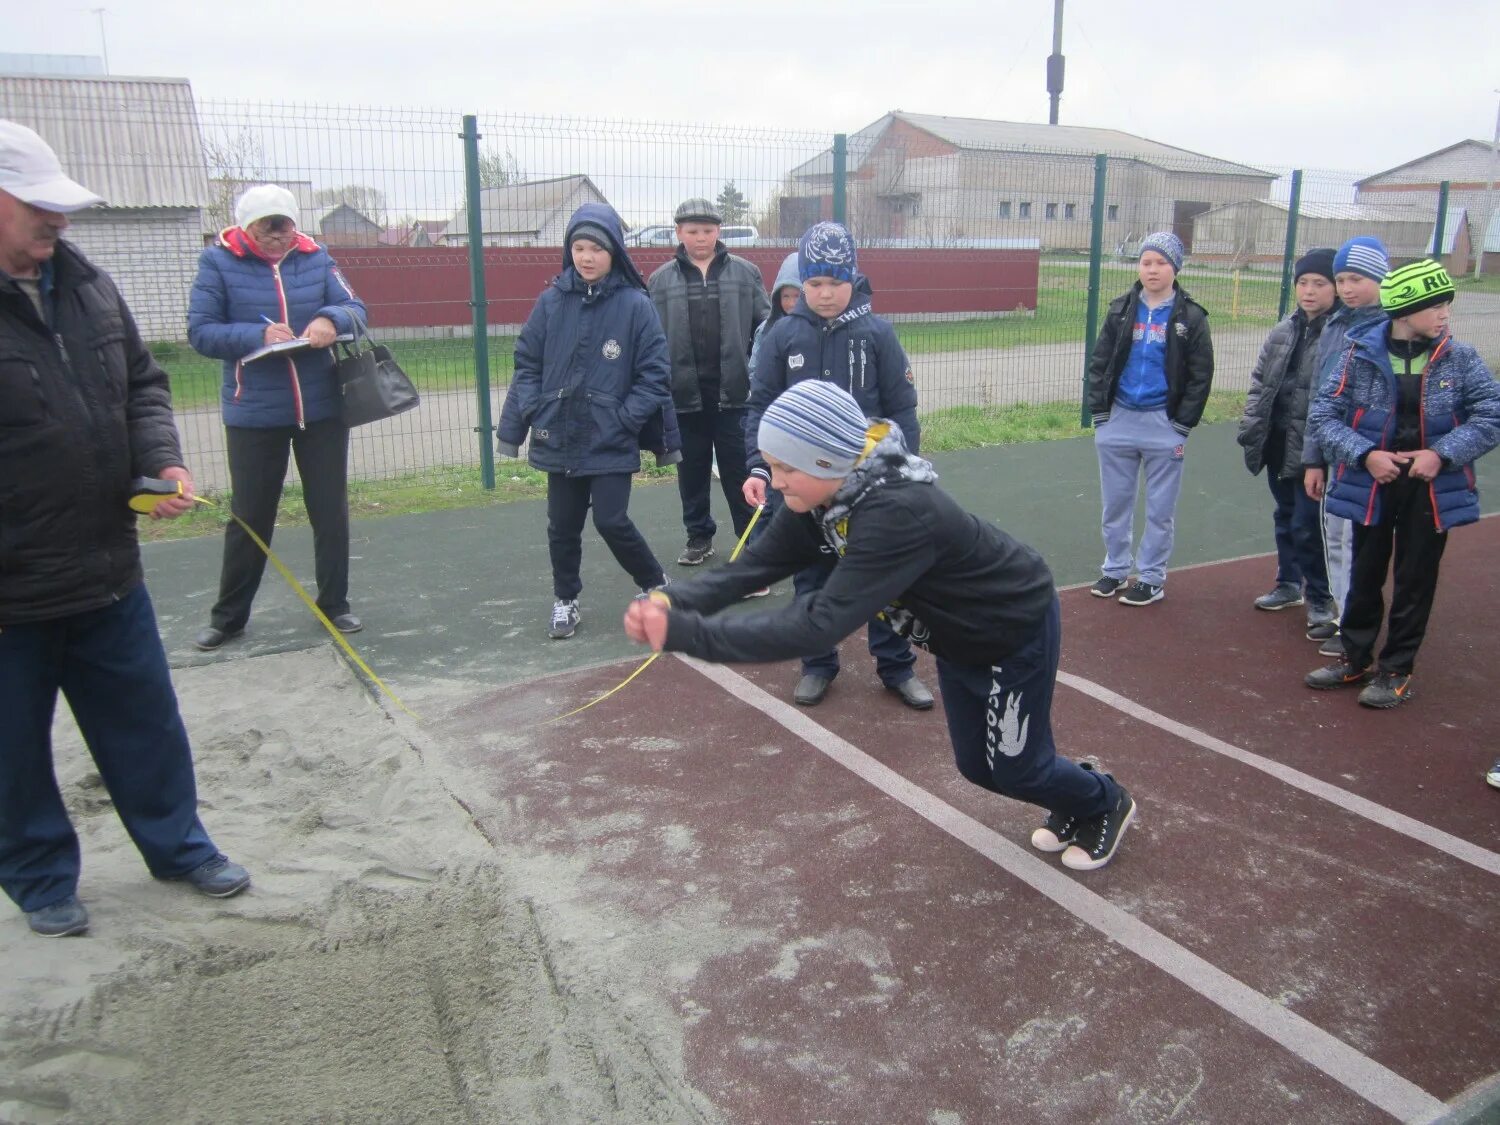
1333	646
59	919
1284	596
216	878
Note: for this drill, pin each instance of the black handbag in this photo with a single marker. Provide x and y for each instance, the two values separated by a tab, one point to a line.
371	382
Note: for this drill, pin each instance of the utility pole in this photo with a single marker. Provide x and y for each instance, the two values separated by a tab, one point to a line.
103	42
1055	63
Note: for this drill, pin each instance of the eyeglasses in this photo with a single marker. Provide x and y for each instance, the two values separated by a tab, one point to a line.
278	224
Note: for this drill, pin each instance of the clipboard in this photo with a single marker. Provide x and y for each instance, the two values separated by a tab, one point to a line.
295	345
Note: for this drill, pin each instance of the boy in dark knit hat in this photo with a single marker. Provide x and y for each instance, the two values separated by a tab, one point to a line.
1358	269
1410	411
1149	378
980	601
833	334
1282	385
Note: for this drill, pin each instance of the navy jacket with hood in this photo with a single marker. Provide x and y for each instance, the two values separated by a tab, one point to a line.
593	377
857	350
234	290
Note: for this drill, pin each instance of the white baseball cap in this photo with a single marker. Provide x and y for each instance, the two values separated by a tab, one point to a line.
263	201
30	171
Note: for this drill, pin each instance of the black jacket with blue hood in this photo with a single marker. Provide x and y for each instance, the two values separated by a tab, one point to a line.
592	382
856	349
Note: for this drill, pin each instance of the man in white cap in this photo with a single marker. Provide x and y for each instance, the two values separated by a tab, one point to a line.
84	411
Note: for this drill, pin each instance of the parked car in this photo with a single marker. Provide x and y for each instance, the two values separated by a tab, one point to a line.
661	235
739	235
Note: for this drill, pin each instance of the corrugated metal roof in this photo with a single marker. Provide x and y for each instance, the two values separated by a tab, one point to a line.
1354	212
134	141
1018	136
522	208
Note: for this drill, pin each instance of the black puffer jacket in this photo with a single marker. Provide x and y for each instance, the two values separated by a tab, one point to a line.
83	409
1190	358
1273	371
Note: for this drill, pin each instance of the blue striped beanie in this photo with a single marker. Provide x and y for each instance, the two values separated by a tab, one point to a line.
1363	254
816	427
1167	244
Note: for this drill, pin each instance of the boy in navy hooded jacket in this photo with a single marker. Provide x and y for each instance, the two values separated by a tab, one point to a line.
832	334
591	374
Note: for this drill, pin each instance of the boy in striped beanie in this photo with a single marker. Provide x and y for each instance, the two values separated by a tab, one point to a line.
1407	413
980	601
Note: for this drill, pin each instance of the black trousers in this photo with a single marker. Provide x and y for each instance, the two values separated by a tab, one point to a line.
568	503
1408	530
704	431
257	473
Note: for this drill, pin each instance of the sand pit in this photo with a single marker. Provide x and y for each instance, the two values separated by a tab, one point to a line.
387	965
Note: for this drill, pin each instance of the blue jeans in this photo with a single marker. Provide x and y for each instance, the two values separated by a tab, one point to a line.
109	665
894	659
1299	539
1000	723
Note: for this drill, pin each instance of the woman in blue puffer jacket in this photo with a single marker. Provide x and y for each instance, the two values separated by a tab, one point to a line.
592	379
263	282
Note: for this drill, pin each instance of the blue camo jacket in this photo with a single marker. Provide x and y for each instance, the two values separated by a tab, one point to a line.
1356	412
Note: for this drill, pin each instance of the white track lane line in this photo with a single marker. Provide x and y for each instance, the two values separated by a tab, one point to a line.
1455	846
1363	1076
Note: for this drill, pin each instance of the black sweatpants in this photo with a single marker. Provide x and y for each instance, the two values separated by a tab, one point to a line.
257	472
1407	529
568	501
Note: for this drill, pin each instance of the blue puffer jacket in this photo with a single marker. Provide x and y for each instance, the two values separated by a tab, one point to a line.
592	374
856	350
234	290
1342	321
1356	410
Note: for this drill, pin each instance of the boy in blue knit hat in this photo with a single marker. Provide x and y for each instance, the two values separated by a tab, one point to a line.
1359	266
832	334
1149	377
979	600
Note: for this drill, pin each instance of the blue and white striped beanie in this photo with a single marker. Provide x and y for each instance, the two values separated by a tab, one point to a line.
816	427
1167	244
1363	254
826	250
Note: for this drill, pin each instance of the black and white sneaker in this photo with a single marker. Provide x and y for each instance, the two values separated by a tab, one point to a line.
1142	593
1057	833
696	552
1106	587
1097	839
564	619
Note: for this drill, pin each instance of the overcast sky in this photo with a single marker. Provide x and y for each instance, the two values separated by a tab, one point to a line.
1331	85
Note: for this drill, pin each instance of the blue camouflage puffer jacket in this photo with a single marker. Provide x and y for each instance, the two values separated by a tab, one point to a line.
1356	411
234	291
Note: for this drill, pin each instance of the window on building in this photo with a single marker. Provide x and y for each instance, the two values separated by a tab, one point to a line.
1026	210
1051	210
1004	210
1112	212
1070	210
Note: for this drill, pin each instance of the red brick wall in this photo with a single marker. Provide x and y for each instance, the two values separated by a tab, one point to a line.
429	286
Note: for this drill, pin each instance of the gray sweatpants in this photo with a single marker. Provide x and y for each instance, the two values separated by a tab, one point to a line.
1132	442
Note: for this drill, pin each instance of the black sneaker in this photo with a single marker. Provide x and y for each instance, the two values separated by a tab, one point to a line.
1342	674
1387	690
564	619
1333	646
1322	630
1096	840
1142	593
1106	587
696	551
1060	828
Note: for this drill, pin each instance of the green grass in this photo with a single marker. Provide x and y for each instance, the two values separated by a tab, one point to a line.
447	365
1489	283
974	427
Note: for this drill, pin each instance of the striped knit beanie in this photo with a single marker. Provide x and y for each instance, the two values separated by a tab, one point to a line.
826	250
1363	254
816	427
1168	245
1415	287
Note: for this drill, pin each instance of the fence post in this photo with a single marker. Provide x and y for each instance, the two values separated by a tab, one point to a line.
1289	256
1442	221
1096	259
479	302
840	177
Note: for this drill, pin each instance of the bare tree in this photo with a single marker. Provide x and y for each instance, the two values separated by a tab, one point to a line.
498	169
368	201
234	161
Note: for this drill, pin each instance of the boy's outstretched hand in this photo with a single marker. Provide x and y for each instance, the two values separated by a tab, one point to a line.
646	622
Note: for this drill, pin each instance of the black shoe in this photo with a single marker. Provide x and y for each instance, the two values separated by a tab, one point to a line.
1342	674
1060	829
811	689
348	623
213	637
218	877
1106	587
1097	839
1322	630
696	551
1387	690
1142	593
60	919
1333	646
913	693
565	617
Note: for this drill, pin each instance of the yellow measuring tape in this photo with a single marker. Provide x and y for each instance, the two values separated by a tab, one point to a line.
738	547
148	493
